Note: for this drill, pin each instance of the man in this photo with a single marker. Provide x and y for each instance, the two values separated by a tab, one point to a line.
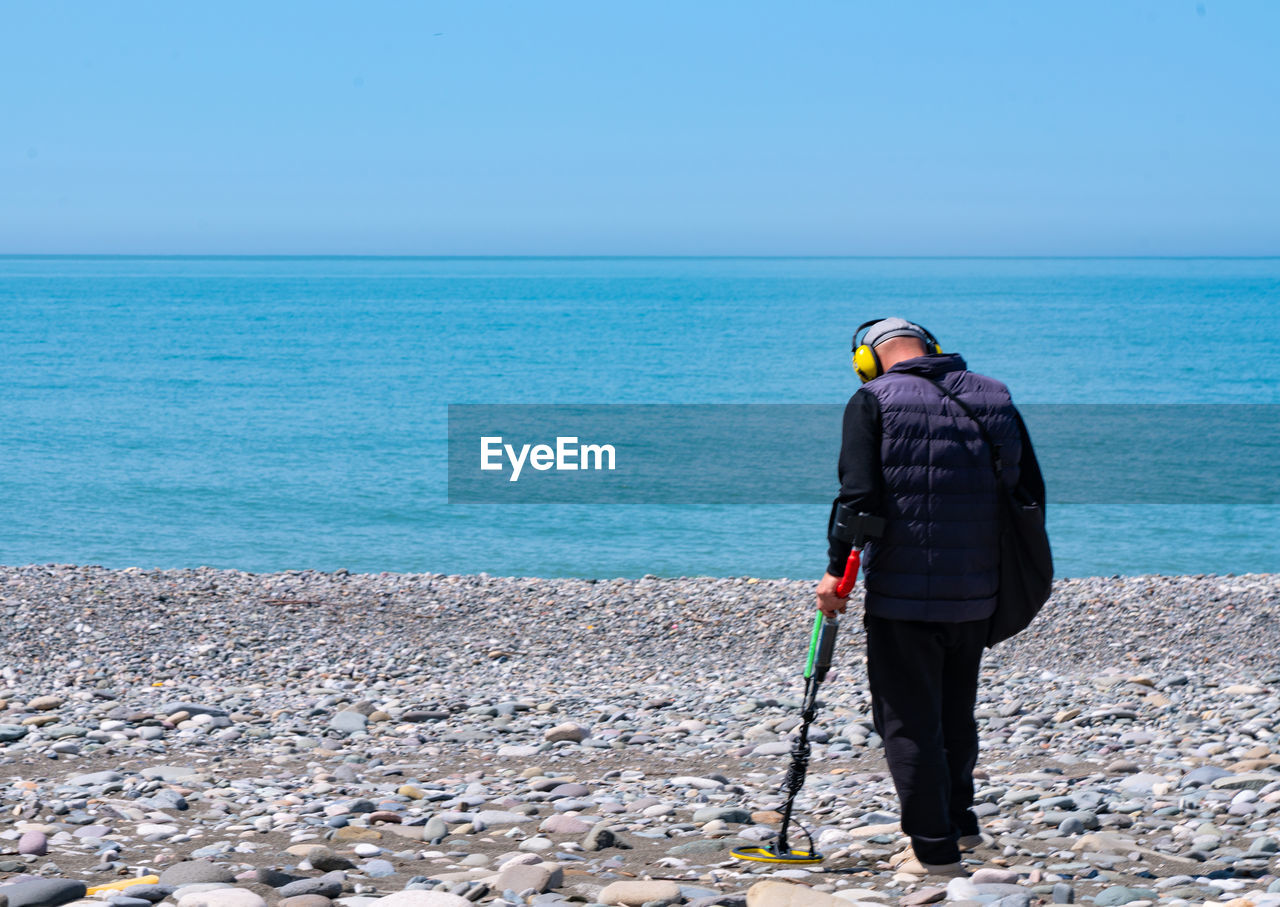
912	456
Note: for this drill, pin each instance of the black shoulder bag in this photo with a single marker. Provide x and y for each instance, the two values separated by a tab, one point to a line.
1026	561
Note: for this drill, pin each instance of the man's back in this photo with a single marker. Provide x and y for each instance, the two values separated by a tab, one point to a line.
939	556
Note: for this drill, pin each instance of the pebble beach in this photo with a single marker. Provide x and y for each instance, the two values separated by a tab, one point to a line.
214	738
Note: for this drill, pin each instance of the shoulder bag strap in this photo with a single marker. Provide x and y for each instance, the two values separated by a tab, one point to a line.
996	463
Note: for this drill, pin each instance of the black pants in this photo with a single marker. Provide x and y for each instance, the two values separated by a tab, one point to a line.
924	682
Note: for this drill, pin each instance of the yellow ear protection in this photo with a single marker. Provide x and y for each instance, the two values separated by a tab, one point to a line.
865	361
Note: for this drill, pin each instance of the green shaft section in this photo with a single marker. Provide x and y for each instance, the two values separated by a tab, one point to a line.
813	645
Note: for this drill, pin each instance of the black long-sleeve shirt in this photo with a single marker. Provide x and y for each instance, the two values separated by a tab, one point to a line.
861	477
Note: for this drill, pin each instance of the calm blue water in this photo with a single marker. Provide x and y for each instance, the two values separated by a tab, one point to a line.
276	413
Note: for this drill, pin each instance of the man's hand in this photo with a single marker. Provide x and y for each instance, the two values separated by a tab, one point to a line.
829	603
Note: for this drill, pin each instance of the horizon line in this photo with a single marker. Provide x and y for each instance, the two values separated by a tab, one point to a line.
602	257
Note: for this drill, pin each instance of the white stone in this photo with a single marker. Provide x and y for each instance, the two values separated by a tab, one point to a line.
635	893
860	894
501	817
517	751
416	898
570	731
833	837
696	782
538	876
870	831
152	828
1244	689
520	859
561	824
961	890
786	894
222	897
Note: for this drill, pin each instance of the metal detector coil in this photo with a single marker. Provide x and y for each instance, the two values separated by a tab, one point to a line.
770	855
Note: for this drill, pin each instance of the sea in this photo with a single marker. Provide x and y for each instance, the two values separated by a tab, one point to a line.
290	413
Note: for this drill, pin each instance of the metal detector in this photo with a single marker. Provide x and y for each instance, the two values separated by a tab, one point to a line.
821	645
856	528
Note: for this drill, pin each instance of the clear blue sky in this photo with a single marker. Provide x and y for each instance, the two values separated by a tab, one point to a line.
603	127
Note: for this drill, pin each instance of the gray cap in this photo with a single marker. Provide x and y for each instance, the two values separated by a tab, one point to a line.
893	327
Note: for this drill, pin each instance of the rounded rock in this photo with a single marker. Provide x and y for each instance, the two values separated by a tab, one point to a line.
222	897
569	731
422	898
193	872
43	892
637	893
33	843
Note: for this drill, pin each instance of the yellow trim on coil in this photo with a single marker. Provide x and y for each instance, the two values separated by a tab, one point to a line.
761	855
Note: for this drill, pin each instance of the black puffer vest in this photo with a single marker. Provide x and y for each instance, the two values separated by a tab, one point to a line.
939	556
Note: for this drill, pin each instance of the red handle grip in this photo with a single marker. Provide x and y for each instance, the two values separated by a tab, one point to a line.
845	586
